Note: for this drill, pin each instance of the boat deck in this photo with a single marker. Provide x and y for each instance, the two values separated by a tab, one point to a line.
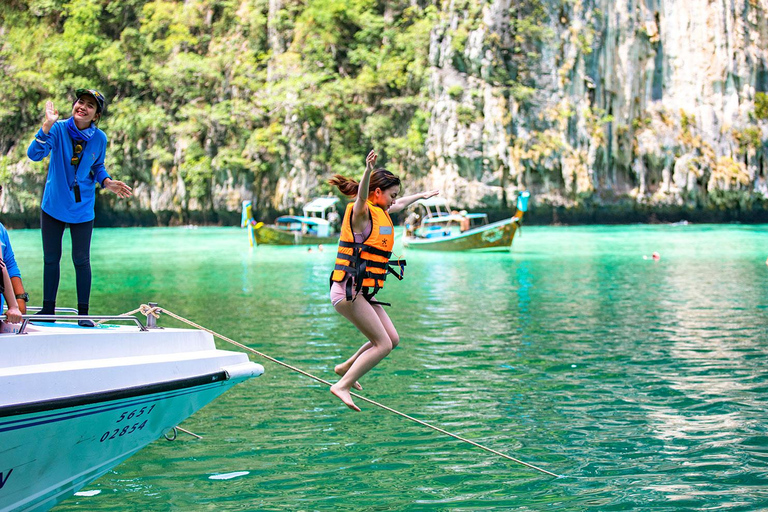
55	361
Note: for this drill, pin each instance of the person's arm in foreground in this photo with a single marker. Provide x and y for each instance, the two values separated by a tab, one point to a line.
12	314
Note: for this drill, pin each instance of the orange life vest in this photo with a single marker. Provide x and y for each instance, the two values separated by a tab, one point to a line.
368	262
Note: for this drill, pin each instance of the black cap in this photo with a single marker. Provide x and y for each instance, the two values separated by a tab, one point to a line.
96	95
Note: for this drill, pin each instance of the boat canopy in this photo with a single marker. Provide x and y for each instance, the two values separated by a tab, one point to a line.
310	221
319	206
433	201
311	225
435	206
453	217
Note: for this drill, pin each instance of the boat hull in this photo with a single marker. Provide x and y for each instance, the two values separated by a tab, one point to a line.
492	237
75	402
51	454
271	235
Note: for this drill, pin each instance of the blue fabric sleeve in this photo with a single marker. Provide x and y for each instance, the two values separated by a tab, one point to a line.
99	171
8	257
41	145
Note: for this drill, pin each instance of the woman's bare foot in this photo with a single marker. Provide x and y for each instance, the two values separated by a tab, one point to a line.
340	371
344	396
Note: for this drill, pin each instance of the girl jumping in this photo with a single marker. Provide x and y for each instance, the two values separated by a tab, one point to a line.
362	264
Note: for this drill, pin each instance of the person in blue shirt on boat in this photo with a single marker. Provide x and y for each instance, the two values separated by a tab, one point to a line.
10	270
9	261
77	148
362	264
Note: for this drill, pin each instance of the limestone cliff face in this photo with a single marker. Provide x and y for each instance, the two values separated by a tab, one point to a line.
663	101
653	98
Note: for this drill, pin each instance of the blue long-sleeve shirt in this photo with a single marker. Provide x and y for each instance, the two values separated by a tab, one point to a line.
8	258
58	197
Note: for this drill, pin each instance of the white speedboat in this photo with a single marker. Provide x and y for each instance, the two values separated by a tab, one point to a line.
77	401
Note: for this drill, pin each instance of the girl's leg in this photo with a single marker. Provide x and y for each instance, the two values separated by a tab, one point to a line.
52	231
81	257
364	317
341	369
388	325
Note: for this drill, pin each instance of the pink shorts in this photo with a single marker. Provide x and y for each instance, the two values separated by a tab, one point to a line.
339	290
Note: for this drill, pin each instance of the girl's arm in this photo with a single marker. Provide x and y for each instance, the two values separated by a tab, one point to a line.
12	315
404	202
360	210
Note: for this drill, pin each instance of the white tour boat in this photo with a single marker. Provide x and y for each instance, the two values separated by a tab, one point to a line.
76	401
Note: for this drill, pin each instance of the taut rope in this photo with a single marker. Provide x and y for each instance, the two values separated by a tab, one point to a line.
154	311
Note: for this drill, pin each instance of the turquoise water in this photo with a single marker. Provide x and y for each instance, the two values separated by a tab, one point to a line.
643	383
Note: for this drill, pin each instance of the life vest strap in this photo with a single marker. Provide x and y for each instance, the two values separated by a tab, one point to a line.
370	299
378	264
391	268
361	273
364	248
348	291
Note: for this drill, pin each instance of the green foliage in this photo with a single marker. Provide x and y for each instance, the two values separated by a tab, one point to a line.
202	90
466	115
197	173
761	105
455	92
459	39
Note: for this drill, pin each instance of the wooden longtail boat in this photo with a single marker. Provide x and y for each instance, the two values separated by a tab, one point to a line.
312	228
441	230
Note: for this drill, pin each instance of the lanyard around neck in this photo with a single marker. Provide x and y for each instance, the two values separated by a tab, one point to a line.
77	155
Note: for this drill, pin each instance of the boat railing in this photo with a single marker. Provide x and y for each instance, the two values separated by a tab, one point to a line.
25	319
58	310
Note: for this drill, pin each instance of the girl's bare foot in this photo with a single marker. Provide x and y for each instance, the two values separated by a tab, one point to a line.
344	396
340	371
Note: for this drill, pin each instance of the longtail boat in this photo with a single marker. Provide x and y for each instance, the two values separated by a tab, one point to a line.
312	228
439	228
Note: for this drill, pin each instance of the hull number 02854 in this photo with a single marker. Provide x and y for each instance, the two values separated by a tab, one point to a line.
128	428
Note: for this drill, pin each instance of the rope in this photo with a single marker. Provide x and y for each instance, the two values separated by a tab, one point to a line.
147	310
143	309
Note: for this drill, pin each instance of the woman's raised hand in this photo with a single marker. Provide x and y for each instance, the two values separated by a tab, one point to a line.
370	160
51	116
430	193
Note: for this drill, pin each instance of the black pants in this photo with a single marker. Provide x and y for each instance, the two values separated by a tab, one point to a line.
53	233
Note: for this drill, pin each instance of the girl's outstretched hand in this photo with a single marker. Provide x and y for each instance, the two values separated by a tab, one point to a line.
430	193
370	160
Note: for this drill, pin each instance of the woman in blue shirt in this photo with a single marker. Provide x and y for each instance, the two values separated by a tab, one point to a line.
77	148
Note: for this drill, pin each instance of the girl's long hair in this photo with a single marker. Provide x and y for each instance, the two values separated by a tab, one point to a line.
380	178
